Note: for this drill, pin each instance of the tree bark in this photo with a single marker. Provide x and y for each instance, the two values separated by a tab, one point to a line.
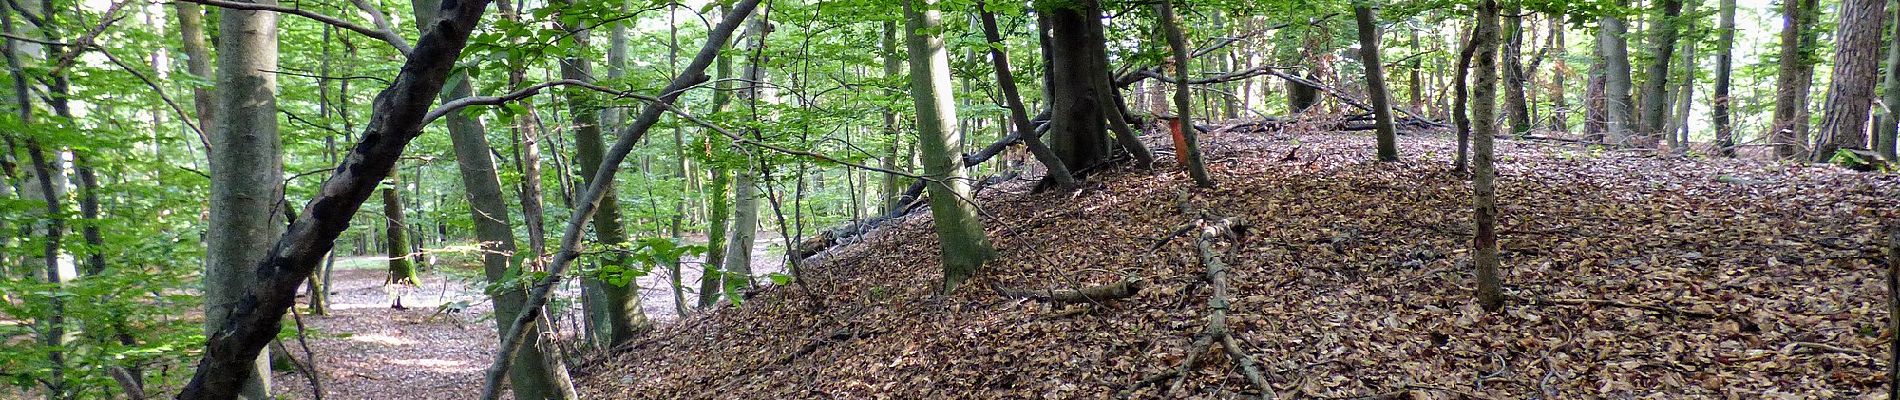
1724	65
1460	117
1056	171
745	222
721	208
1788	132
1077	125
247	169
1375	82
396	242
621	296
1177	45
191	28
589	200
1484	172
233	348
1662	43
1889	127
964	245
1616	85
1516	102
1559	105
1851	94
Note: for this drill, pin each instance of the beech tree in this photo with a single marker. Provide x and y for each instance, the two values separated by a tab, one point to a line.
1484	254
964	245
246	170
1851	93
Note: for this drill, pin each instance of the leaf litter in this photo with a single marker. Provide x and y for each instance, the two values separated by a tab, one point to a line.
1631	276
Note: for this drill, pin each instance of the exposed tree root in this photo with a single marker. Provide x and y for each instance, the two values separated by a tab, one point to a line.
1216	331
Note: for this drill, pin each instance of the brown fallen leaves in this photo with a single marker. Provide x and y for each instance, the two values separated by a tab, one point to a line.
1633	276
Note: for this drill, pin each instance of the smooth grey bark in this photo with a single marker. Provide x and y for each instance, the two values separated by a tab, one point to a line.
585	205
1617	85
1012	99
1724	65
396	119
1559	105
191	25
1685	91
1484	254
893	66
623	311
745	192
718	222
246	170
1856	60
1656	100
1375	82
961	239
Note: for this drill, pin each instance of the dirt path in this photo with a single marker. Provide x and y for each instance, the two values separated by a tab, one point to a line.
366	350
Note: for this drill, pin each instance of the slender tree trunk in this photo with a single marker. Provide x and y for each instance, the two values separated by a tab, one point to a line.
1679	122
1788	131
1856	61
247	168
1177	45
1662	43
1460	117
964	245
1516	102
1375	82
1018	113
401	271
721	208
1889	125
1595	108
893	66
1617	84
1484	172
1560	68
1724	65
621	290
191	27
745	198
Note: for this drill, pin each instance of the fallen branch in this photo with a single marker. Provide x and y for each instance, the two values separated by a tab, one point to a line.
1792	347
1119	290
1216	330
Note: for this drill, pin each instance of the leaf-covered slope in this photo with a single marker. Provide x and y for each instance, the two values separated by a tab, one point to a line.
1631	275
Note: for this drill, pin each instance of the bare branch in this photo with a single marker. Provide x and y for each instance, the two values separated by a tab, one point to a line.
385	35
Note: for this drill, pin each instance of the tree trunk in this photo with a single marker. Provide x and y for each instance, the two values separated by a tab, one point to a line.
1685	92
1616	84
1056	171
721	207
1516	102
401	271
621	290
247	168
1856	60
893	66
1077	124
964	245
191	27
1724	65
1460	118
1788	132
1559	105
745	197
1889	126
1177	45
1484	254
1662	43
589	199
1375	82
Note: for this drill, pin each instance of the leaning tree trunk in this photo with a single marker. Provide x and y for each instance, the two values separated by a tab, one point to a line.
964	245
1018	113
246	169
1655	110
1856	59
1724	65
1616	84
1796	73
1484	172
1375	82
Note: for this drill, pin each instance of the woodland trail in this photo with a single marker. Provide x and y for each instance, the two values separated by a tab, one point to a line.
367	350
1631	275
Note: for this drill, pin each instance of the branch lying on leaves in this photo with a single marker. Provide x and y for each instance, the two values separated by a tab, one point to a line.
386	35
1119	290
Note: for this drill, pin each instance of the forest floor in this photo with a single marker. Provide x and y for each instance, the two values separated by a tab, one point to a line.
366	350
1631	276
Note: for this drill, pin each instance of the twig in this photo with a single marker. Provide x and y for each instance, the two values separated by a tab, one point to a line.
390	37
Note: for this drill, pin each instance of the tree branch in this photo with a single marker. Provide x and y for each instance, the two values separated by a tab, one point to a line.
386	35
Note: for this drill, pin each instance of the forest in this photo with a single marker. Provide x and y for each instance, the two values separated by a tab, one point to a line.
1146	199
